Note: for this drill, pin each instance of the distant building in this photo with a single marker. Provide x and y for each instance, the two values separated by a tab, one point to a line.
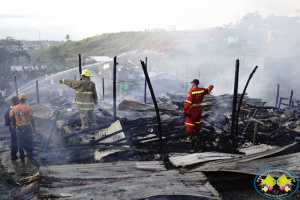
126	69
20	68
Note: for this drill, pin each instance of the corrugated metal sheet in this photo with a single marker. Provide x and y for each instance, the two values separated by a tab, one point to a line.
257	149
128	104
116	126
250	165
195	158
120	180
42	111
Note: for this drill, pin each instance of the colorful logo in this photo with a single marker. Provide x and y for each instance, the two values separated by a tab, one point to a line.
276	183
20	113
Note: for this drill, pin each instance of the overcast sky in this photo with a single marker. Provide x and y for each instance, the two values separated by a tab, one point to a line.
23	19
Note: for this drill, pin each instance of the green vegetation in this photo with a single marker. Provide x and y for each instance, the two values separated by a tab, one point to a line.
10	51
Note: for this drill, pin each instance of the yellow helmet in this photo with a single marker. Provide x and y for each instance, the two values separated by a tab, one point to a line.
86	73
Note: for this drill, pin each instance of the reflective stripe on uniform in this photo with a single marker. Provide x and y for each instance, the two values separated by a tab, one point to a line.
63	80
198	92
188	101
190	124
85	127
197	122
94	124
84	92
84	103
195	105
208	90
86	108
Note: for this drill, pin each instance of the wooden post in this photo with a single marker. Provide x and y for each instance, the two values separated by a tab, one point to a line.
37	92
254	133
292	92
80	70
103	89
155	105
277	96
145	90
16	85
236	83
241	100
114	88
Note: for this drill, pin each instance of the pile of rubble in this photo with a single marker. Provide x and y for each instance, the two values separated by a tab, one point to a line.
138	125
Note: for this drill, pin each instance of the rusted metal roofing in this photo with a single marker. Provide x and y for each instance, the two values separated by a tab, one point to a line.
120	180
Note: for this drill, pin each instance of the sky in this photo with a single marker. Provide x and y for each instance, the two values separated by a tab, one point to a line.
81	19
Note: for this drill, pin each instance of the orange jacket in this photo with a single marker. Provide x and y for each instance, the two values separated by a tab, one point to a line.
195	97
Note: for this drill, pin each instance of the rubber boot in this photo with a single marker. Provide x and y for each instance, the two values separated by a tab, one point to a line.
188	137
13	155
22	157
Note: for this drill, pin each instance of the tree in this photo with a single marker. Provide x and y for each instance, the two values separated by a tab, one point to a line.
252	19
67	37
10	51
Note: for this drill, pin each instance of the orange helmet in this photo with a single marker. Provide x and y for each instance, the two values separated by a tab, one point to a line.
22	96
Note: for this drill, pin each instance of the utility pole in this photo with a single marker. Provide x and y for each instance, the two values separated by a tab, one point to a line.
114	88
145	91
40	39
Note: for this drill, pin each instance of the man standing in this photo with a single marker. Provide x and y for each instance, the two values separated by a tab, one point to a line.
86	97
13	135
193	110
21	114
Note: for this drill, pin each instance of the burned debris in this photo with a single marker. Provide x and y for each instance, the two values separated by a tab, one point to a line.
140	145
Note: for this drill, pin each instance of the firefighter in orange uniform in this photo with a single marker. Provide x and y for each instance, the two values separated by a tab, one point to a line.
193	110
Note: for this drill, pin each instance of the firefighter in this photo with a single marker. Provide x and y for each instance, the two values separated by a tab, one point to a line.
86	97
193	110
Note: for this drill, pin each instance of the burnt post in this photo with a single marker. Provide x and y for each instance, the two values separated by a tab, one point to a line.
114	88
16	85
236	83
80	70
155	105
102	89
145	90
254	133
37	92
290	102
277	96
241	100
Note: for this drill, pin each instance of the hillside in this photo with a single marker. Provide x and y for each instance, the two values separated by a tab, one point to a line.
189	52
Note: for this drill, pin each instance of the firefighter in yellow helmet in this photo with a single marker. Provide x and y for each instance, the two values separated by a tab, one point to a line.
86	97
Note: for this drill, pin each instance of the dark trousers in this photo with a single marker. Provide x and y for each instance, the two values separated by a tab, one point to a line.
25	141
13	142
